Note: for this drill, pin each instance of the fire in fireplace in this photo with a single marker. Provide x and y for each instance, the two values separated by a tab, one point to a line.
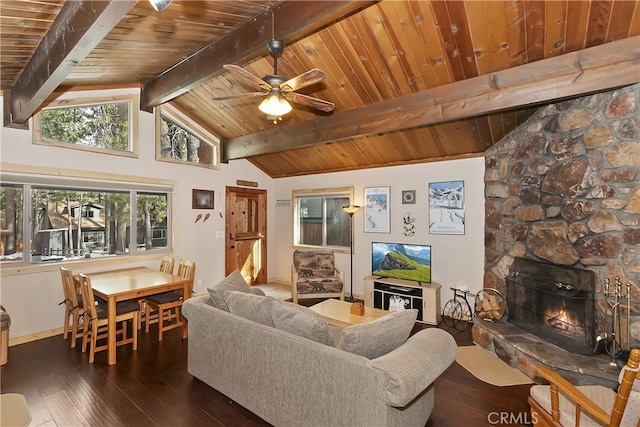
553	302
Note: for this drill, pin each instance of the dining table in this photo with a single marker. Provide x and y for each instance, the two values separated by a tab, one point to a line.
133	283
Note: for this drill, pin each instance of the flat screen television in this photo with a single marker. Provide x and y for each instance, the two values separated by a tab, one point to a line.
401	261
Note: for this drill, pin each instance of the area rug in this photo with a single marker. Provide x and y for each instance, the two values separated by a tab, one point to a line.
13	410
489	368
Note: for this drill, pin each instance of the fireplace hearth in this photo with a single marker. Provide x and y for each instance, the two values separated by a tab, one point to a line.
553	302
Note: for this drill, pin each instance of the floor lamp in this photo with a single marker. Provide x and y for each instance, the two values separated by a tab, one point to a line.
351	209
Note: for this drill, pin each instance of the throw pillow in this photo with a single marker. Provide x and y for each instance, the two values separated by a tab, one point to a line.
379	337
250	306
301	321
233	282
258	291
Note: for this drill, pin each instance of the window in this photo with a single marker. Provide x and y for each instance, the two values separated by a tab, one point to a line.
178	140
152	220
320	221
73	218
100	125
11	221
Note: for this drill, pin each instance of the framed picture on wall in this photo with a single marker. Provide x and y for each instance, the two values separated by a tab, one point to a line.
376	210
446	207
408	197
202	199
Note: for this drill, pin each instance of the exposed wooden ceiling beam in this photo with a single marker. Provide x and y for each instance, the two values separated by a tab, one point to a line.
590	70
76	30
293	20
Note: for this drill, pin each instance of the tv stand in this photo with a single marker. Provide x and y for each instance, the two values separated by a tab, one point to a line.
423	297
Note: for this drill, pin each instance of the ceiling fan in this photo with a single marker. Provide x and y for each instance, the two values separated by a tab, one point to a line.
276	90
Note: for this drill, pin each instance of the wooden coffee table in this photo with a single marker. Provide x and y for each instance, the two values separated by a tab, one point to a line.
338	313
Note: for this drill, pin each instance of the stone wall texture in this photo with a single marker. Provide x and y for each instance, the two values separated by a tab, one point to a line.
564	188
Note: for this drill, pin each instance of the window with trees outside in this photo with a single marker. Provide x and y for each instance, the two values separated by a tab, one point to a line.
101	125
59	219
180	140
320	221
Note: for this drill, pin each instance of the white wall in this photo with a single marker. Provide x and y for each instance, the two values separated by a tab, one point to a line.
39	292
456	259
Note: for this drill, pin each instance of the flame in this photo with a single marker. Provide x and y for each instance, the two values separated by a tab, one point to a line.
561	320
562	315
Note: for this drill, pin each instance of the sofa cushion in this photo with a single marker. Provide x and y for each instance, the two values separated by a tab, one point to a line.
250	306
301	321
258	291
233	282
379	337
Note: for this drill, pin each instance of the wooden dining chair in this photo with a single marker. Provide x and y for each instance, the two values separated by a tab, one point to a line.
96	321
73	307
166	266
168	304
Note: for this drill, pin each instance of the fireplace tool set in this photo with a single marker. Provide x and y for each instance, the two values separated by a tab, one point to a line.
608	342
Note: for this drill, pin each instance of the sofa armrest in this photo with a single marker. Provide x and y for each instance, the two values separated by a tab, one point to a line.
187	306
411	368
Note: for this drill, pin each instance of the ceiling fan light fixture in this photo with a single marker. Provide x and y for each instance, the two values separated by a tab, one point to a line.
159	5
275	105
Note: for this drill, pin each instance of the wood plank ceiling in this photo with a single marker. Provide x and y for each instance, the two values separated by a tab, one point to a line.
399	72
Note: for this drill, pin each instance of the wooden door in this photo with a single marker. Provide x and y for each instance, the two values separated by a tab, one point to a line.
246	233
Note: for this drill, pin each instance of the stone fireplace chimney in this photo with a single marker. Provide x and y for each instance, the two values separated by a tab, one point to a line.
564	188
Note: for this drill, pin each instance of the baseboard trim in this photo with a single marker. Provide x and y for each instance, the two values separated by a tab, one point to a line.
34	337
277	281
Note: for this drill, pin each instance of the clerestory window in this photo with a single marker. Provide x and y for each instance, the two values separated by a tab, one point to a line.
180	140
105	125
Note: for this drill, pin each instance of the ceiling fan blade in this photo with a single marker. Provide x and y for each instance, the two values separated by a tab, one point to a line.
303	80
247	76
239	96
309	101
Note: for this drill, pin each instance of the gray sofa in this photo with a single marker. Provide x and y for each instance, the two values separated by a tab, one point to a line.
288	380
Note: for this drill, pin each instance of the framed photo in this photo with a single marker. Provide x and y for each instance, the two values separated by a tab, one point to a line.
376	210
446	207
408	197
202	199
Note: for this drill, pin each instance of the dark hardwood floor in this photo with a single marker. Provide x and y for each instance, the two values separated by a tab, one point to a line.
151	386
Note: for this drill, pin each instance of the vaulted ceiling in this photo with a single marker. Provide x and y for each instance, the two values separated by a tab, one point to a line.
412	81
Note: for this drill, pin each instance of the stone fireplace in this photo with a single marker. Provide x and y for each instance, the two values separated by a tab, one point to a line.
564	190
554	303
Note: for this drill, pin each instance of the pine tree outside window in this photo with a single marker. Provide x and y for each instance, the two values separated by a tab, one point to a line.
100	125
180	140
77	218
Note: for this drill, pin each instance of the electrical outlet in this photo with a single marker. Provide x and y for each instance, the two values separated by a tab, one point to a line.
198	283
219	234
